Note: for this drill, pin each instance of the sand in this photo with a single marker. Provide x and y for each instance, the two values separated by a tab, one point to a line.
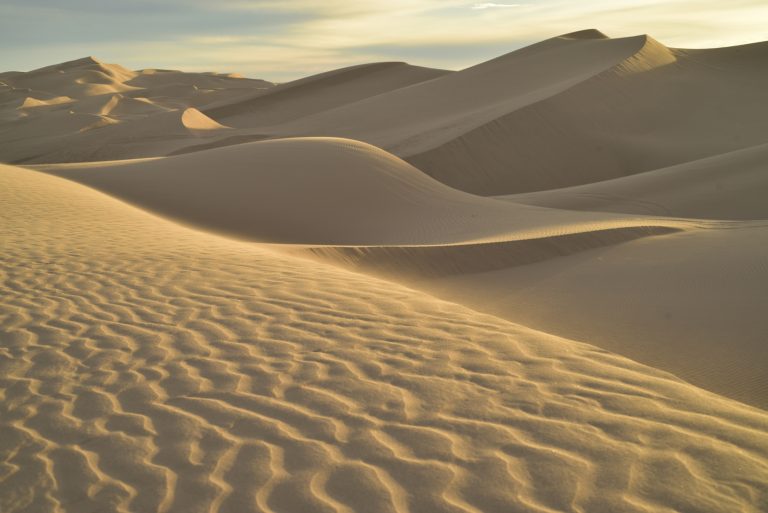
148	367
536	284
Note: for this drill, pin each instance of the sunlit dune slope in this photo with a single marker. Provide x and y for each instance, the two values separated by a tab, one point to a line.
148	367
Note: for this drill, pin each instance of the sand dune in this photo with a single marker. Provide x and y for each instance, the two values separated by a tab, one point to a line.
328	191
70	136
732	185
50	114
155	368
411	120
574	109
320	92
403	225
567	111
659	108
79	78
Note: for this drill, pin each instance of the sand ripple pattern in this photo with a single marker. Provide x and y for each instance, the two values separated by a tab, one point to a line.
147	367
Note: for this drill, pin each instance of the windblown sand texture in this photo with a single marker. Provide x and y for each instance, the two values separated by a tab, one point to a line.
538	284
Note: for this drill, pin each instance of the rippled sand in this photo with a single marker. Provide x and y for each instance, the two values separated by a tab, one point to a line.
149	367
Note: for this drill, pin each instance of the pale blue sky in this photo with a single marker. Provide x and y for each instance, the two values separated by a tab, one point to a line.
279	40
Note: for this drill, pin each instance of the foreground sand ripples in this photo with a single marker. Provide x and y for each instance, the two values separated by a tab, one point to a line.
147	367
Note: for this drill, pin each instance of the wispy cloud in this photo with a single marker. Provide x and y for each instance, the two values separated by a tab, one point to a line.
491	5
279	40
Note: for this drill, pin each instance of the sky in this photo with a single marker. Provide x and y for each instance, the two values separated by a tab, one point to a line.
280	40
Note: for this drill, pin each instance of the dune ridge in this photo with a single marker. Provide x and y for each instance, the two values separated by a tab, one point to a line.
162	369
419	262
320	92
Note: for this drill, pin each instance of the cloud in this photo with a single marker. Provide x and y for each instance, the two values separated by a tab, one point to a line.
278	39
491	5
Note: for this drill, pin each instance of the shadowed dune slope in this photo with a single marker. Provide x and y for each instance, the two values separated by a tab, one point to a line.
411	120
316	93
729	186
660	108
327	191
148	367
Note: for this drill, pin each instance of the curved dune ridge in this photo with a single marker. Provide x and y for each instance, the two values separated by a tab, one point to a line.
328	191
157	368
566	111
31	102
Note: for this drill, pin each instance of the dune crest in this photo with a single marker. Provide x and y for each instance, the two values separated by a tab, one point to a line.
194	120
30	102
652	55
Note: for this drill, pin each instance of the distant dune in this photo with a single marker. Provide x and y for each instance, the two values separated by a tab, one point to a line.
537	284
51	113
321	92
